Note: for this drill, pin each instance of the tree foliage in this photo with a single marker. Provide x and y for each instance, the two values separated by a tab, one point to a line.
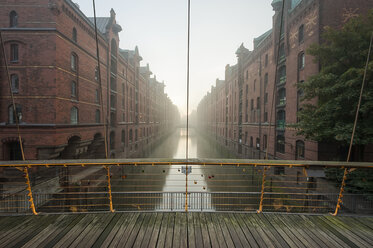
342	58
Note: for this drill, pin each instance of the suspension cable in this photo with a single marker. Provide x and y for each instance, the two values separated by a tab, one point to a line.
346	171
99	79
187	126
275	84
15	116
102	109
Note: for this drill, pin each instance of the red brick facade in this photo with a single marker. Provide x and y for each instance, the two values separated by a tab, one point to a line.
237	111
49	35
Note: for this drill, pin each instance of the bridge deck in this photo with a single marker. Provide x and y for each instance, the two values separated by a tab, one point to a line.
185	229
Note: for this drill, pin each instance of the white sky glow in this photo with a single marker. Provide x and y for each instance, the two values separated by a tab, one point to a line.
159	29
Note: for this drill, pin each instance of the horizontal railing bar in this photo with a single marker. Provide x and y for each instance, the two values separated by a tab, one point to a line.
156	161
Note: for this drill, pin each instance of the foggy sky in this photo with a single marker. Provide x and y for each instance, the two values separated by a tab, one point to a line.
159	29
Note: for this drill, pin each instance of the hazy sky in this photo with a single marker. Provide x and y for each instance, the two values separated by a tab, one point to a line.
159	29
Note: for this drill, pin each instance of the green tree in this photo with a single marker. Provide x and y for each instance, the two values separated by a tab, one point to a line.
342	57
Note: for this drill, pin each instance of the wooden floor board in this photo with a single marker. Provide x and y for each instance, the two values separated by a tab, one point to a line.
196	229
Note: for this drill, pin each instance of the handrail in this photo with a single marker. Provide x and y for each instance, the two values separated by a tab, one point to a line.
193	161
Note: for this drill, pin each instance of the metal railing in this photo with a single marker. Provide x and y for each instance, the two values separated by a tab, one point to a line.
159	185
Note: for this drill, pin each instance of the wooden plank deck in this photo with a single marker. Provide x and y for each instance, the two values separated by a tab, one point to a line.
185	230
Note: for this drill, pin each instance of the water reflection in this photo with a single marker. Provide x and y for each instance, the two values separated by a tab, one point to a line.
175	180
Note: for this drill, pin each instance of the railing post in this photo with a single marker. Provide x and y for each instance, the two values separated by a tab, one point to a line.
31	198
341	192
260	210
109	188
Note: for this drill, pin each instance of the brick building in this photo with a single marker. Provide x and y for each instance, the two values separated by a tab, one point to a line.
61	103
237	110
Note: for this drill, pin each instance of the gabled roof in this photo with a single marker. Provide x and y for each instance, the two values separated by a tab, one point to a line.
261	38
102	23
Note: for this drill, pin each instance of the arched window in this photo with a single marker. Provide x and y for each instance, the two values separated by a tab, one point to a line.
300	147
301	34
14	53
75	35
15	83
97	116
301	61
74	62
74	115
136	134
13	19
14	116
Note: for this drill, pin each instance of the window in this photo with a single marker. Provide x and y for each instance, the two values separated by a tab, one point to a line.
14	53
73	89
247	75
251	141
252	104
75	35
97	74
265	116
74	62
123	138
280	143
300	147
265	142
130	135
112	140
301	61
97	96
265	81
14	82
74	115
258	102
97	116
136	134
301	34
254	84
266	60
281	97
266	97
13	19
282	51
14	116
257	143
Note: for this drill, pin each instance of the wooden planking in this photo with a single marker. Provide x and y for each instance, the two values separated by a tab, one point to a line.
185	230
75	231
197	230
163	231
170	230
191	234
50	232
156	231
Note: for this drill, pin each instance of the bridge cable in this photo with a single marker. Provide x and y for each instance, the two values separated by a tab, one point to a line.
16	119
102	108
346	171
260	210
187	126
